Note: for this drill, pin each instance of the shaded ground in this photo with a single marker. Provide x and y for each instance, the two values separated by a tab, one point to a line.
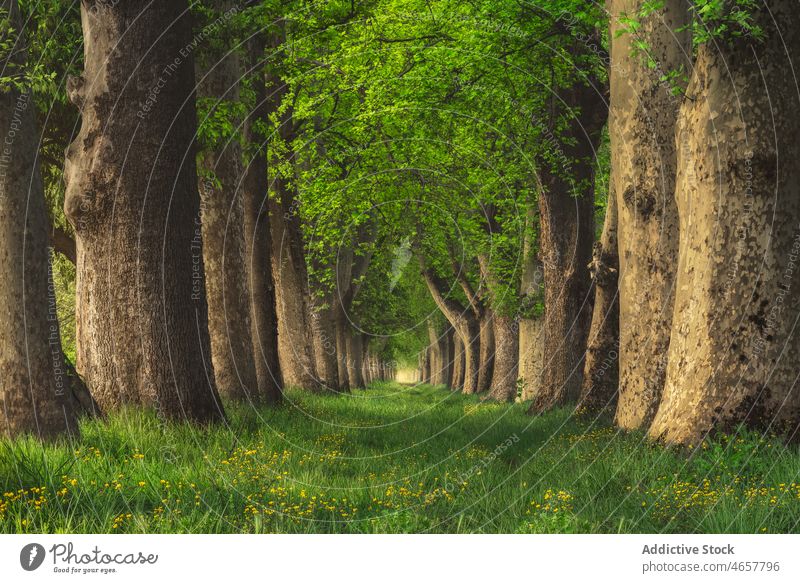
393	458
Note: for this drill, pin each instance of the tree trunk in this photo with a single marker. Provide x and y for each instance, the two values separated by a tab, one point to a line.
295	345
434	348
458	363
566	210
464	324
354	356
258	246
341	329
530	323
530	356
365	360
506	359
323	334
446	352
142	317
224	253
505	339
601	374
425	375
483	315
487	349
735	347
35	393
643	167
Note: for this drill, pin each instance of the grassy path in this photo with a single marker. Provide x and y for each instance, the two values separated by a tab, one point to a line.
393	458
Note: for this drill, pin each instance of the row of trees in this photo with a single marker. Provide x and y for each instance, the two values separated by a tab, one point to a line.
277	194
695	294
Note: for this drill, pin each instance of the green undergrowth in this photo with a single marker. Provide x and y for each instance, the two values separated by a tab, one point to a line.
392	459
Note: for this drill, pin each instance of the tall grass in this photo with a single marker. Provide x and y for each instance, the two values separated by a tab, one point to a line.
392	459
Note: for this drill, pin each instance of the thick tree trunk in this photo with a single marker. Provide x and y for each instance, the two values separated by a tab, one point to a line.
35	393
142	317
601	374
643	167
735	345
506	359
566	210
258	248
223	226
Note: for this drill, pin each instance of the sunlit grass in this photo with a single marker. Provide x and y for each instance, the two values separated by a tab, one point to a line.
393	459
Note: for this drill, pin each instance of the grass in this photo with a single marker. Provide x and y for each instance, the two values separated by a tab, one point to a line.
392	459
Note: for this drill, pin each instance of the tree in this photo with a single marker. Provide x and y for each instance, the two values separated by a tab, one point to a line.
734	345
35	392
601	374
647	64
222	214
566	214
257	231
132	199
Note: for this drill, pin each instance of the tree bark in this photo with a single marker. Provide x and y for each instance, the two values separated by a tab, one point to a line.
35	392
224	247
131	196
446	352
530	324
323	333
735	346
295	345
258	244
426	366
566	210
505	341
365	360
62	242
643	168
464	324
486	349
485	318
434	349
531	357
601	374
341	329
354	356
458	363
506	363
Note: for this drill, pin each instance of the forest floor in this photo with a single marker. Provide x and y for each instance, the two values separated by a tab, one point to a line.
392	459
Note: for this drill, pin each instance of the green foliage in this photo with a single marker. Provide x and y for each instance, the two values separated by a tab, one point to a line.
724	20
